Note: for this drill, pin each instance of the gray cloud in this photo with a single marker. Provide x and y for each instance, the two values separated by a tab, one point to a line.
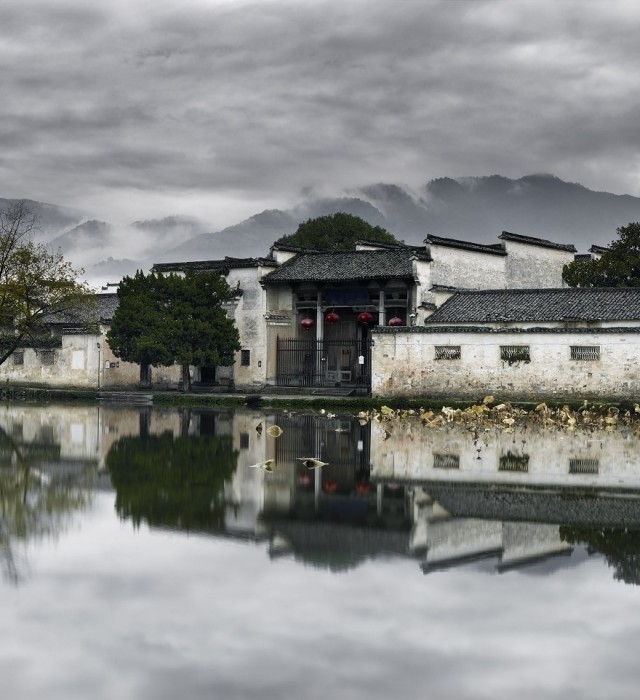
119	105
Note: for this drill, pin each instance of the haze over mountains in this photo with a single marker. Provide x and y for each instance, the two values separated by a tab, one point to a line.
471	208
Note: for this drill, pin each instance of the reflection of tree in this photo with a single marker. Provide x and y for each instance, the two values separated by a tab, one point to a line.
33	504
172	481
620	546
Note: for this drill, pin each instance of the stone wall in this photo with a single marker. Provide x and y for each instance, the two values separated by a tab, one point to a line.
404	364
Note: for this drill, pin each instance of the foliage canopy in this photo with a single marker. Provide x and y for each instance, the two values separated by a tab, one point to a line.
162	320
34	283
335	232
619	266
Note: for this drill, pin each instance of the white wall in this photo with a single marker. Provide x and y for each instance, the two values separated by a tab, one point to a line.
403	364
530	266
467	269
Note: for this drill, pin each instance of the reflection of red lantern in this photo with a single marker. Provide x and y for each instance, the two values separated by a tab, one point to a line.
362	487
307	324
332	318
365	318
396	321
304	480
330	486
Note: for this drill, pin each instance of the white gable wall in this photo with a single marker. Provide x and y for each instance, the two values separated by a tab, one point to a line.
466	269
531	266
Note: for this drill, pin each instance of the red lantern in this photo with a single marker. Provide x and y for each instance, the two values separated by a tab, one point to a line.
332	318
307	323
330	486
365	318
362	487
396	321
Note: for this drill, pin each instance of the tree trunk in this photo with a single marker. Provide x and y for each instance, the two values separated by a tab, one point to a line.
145	376
186	378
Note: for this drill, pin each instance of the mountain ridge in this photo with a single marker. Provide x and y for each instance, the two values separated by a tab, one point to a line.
474	208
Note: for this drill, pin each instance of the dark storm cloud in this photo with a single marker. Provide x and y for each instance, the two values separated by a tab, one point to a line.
263	98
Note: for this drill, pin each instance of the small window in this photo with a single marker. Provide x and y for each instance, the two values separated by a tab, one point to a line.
18	358
514	463
47	357
245	357
590	353
584	466
244	441
514	353
443	461
447	352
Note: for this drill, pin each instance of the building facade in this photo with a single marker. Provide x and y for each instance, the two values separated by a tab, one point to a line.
559	344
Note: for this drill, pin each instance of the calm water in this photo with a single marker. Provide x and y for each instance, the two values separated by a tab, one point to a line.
143	556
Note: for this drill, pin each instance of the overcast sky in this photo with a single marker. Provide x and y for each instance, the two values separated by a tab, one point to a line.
133	109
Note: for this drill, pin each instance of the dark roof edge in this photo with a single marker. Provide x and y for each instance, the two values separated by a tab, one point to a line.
435	328
490	249
225	263
540	242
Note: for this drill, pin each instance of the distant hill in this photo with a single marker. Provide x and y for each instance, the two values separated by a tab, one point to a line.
471	208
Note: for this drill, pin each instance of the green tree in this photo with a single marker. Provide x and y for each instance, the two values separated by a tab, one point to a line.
619	266
163	320
335	232
34	283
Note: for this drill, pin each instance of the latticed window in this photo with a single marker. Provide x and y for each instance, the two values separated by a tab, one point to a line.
245	358
585	352
514	463
47	357
447	352
18	358
443	461
515	353
583	466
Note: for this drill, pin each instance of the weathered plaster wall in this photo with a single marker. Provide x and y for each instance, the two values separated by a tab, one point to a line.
530	266
249	318
404	364
456	267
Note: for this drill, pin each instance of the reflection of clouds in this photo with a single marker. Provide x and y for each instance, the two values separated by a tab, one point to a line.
207	617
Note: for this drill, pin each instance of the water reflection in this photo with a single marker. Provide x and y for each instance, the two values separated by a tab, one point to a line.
40	486
443	497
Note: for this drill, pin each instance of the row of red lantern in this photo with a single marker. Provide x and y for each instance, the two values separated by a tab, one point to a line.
364	319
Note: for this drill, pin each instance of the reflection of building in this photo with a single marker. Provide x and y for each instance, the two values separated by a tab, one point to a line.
438	496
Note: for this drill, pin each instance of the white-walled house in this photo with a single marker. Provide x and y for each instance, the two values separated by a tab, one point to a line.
75	354
305	317
516	344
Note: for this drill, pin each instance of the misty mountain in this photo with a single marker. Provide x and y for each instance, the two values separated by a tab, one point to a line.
89	235
51	219
471	208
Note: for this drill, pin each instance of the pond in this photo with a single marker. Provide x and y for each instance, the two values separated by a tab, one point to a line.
154	554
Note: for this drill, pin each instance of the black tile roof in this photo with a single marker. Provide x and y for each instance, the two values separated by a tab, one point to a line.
213	265
493	249
531	305
347	265
531	240
96	307
598	249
